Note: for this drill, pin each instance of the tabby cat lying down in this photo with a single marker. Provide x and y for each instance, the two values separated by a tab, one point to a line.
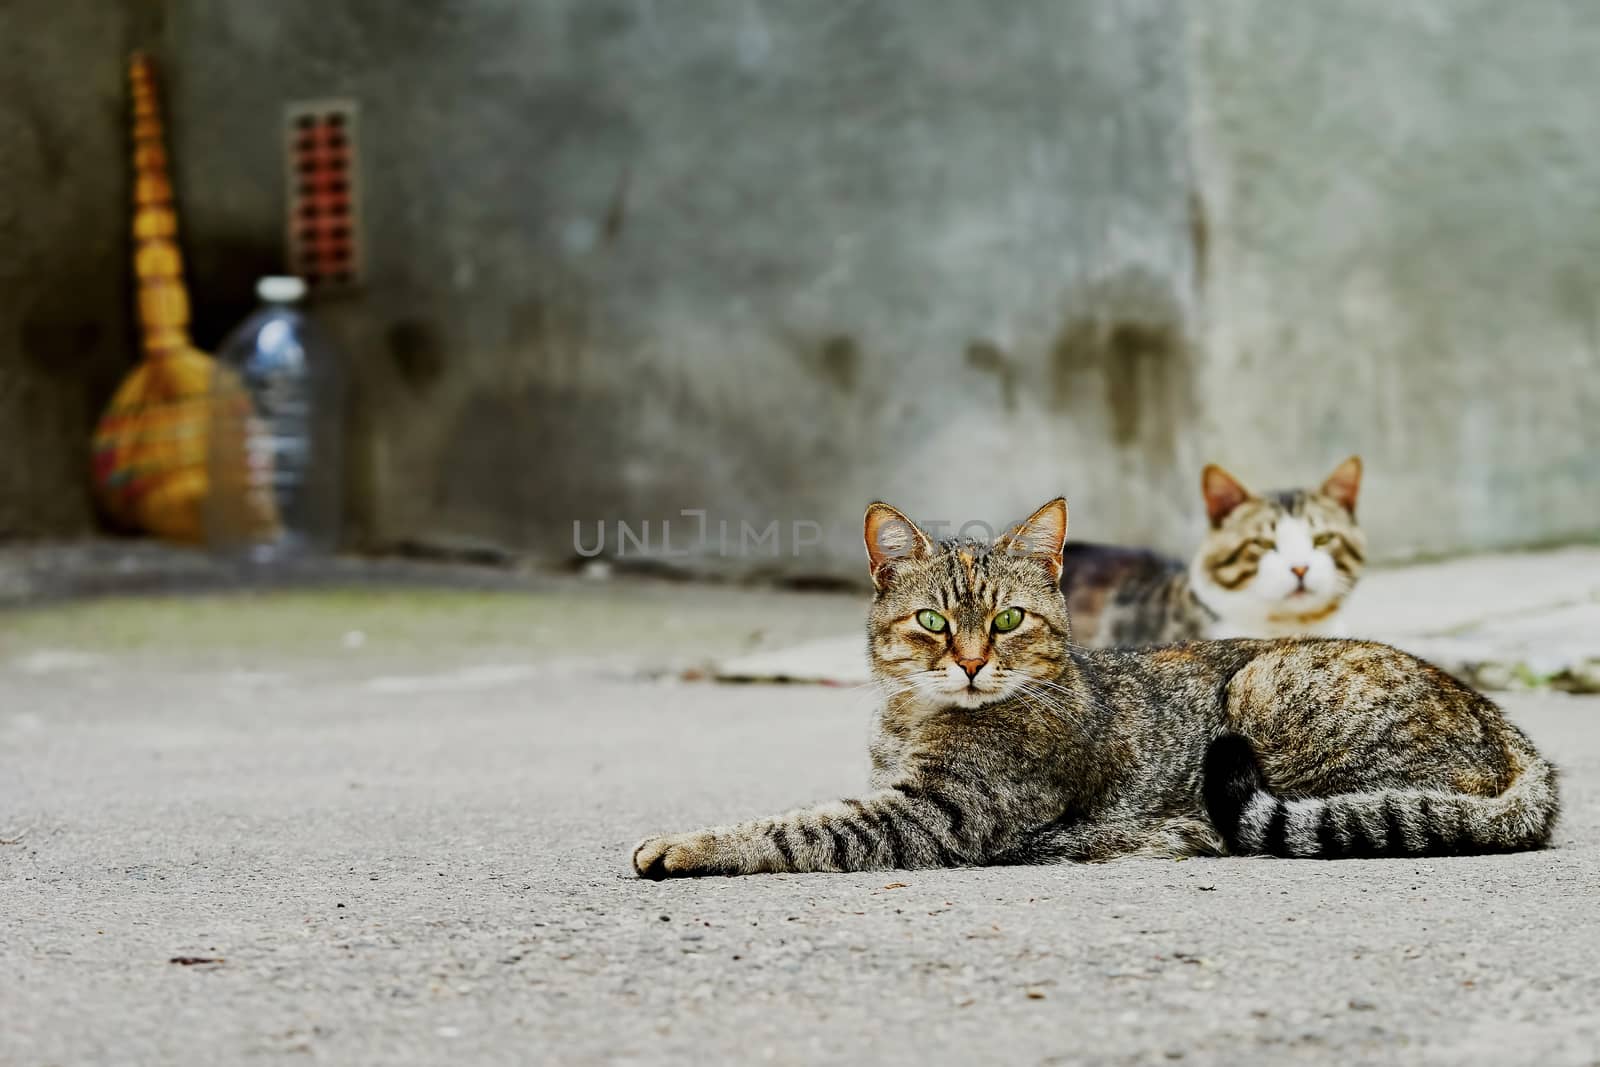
1278	564
1001	742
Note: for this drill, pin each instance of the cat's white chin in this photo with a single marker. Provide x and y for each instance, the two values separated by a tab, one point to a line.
1299	617
967	698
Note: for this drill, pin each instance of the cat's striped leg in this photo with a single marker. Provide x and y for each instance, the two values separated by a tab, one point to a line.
1116	833
905	826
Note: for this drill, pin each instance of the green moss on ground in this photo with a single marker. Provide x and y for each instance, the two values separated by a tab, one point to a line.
634	621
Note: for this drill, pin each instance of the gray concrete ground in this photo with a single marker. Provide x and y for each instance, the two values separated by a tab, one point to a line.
399	822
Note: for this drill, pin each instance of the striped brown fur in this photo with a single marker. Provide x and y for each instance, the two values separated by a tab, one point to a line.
1044	750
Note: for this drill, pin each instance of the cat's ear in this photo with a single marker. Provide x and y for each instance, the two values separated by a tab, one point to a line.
1041	536
890	536
1222	491
1344	484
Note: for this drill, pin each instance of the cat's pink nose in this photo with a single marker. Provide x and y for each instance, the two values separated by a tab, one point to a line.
1300	571
972	666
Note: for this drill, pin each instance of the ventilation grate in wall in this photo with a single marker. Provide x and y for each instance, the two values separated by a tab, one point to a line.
324	225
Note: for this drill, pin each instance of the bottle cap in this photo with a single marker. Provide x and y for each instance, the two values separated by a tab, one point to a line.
280	289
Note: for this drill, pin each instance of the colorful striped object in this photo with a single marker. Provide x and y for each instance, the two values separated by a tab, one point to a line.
150	447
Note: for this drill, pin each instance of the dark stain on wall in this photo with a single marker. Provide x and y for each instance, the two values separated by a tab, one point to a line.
1074	358
1141	354
839	361
1134	360
987	357
617	211
1127	351
417	351
1199	238
835	359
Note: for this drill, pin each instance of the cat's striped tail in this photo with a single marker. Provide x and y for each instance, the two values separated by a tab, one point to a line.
1389	822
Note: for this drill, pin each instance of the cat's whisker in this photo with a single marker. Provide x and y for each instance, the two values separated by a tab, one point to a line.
1052	686
1077	703
1037	699
1029	702
1041	698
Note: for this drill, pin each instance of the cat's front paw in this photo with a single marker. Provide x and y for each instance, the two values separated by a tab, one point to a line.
677	856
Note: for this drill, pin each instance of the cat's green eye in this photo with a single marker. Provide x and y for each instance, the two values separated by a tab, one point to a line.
1008	619
932	620
1323	540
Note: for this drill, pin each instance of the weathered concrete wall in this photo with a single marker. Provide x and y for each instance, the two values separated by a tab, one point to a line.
64	331
1403	258
775	260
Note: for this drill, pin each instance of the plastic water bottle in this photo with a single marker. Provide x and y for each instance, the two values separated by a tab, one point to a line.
276	418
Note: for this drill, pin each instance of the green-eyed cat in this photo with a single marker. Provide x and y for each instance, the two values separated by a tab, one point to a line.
1000	742
1276	565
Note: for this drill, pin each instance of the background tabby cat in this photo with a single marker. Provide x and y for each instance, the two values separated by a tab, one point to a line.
1278	564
